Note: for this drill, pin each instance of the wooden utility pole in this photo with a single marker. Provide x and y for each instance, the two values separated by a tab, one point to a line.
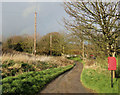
83	49
35	35
63	49
51	44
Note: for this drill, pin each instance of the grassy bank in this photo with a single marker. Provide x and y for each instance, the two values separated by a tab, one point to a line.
32	82
97	77
99	82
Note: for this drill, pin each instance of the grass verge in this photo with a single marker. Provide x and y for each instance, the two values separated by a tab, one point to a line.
97	78
99	82
31	82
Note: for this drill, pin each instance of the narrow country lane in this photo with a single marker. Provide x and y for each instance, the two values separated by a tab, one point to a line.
68	82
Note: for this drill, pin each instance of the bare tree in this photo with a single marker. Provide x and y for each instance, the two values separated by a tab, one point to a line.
95	22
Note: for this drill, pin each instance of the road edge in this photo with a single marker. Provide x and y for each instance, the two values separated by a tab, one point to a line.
90	90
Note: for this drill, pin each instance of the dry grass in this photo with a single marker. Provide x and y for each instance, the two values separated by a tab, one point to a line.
12	63
29	58
96	65
17	57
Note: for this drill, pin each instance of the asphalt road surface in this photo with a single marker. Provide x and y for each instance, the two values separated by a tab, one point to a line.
69	82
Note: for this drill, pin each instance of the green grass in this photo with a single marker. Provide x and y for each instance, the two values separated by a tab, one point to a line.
75	58
99	82
32	82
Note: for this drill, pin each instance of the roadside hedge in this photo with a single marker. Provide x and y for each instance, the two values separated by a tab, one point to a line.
32	82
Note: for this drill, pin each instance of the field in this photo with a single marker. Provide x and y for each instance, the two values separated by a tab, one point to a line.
16	64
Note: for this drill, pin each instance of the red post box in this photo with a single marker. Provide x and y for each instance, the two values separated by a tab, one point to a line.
111	63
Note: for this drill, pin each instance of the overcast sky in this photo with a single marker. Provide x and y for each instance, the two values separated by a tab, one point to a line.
0	21
18	18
